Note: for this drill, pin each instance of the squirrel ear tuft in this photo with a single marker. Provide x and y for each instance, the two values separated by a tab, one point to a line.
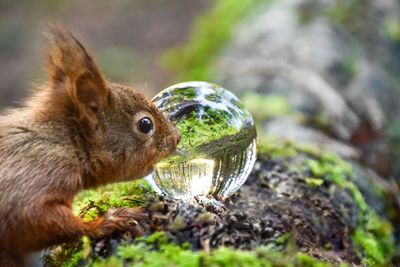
71	67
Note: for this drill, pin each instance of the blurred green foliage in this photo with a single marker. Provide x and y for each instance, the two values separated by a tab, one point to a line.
273	105
392	29
210	33
343	12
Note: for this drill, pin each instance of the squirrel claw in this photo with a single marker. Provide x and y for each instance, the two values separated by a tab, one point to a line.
121	219
124	218
126	213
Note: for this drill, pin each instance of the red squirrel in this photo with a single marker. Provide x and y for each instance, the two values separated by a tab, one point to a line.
77	132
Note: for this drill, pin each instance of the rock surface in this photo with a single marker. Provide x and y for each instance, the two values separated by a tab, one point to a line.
320	215
327	58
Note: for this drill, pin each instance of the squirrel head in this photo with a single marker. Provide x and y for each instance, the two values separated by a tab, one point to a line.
122	133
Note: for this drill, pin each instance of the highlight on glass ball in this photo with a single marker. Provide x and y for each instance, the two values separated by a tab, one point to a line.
218	146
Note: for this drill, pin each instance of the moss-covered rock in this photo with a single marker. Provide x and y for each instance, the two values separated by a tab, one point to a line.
298	206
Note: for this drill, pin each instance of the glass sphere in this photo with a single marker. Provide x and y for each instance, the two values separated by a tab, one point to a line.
218	146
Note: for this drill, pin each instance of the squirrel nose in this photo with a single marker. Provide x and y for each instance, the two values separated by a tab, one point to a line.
174	135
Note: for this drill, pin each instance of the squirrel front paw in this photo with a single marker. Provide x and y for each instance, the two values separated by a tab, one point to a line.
122	219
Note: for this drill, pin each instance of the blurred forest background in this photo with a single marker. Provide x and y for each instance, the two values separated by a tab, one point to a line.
126	36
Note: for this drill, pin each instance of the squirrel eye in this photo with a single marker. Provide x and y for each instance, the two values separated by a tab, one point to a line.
145	125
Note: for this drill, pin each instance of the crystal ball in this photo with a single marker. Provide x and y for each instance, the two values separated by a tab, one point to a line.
218	146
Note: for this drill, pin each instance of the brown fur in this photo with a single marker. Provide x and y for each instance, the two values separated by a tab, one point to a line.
77	132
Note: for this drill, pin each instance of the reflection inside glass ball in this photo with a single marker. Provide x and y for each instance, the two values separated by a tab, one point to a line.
218	146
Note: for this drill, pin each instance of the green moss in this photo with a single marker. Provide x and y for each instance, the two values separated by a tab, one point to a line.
332	168
228	257
91	203
283	239
314	182
210	33
86	248
304	16
157	237
109	262
155	251
350	66
342	12
373	235
201	122
274	148
74	260
306	260
143	253
370	245
67	255
156	206
197	131
392	29
187	93
273	105
205	217
306	13
320	120
177	224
